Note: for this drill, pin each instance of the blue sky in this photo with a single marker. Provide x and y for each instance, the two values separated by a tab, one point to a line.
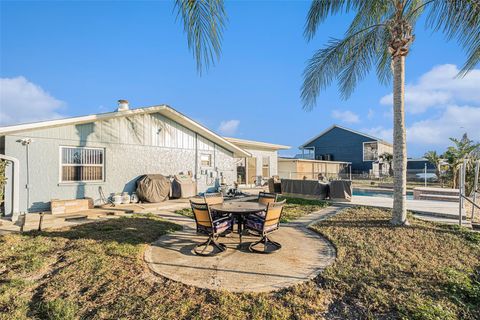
71	58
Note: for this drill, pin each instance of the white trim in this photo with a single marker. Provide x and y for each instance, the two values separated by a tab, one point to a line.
16	185
347	129
162	109
258	144
61	165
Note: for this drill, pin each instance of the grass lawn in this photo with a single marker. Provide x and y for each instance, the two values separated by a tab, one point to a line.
294	208
96	271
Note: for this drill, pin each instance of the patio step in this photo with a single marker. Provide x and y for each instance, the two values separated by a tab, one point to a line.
436	194
438	197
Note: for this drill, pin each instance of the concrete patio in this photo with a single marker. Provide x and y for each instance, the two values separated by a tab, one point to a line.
304	255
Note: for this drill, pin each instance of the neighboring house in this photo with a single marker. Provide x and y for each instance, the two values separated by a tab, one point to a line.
342	144
72	158
262	164
294	168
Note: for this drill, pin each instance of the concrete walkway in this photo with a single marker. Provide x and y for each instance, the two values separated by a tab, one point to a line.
303	256
438	210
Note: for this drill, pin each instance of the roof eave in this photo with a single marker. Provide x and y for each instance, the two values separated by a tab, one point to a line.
163	109
256	144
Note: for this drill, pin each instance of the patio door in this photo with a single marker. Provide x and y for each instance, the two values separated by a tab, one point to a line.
251	170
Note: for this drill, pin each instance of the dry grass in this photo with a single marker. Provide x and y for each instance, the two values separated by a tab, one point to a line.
424	271
468	210
96	271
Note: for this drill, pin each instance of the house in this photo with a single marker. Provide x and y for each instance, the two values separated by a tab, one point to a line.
338	143
105	153
293	168
262	164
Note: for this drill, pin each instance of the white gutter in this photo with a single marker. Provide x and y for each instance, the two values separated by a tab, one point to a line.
16	184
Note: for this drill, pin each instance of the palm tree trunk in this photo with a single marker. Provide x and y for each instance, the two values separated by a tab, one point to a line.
399	214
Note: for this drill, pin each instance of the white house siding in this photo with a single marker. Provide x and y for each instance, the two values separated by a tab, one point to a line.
259	154
136	145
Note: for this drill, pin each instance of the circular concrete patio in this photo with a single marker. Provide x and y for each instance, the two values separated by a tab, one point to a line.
303	256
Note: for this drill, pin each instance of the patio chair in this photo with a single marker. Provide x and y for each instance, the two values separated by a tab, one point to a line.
264	226
213	198
266	198
212	227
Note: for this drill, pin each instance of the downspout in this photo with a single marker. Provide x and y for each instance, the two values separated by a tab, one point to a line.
16	184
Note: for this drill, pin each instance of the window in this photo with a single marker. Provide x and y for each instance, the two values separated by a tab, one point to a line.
370	151
266	167
206	160
81	164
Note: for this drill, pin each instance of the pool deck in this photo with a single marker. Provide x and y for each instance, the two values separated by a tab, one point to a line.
438	210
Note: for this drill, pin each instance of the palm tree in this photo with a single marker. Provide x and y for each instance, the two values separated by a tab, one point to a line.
203	22
436	160
380	34
463	149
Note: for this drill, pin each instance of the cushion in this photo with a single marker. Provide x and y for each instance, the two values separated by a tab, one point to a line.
257	224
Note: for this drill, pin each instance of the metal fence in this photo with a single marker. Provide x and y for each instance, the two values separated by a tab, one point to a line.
416	177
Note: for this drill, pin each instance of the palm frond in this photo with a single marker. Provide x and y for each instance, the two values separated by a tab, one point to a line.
348	60
370	13
320	10
203	22
460	20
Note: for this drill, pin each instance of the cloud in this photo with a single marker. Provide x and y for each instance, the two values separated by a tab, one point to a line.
23	101
434	133
345	116
228	127
439	88
453	122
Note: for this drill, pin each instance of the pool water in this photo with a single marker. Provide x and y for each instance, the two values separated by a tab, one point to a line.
379	193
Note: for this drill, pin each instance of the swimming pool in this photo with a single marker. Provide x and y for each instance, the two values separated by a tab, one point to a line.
377	193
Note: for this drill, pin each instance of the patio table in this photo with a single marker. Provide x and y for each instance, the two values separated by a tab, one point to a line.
239	209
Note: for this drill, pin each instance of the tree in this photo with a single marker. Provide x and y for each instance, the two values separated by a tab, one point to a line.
463	149
388	158
380	34
203	22
436	160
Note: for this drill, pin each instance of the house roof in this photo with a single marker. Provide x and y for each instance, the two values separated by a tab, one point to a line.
256	144
165	110
347	129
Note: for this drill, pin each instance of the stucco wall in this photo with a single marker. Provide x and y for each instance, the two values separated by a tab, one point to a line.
125	159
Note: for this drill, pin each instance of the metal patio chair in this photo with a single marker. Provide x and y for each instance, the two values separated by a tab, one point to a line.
212	227
264	226
213	198
266	198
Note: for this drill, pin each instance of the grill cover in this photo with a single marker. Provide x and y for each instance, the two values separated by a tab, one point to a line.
153	188
183	187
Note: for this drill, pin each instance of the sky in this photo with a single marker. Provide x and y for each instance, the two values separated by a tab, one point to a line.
69	58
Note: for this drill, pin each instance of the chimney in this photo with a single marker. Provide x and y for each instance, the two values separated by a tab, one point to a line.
122	105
